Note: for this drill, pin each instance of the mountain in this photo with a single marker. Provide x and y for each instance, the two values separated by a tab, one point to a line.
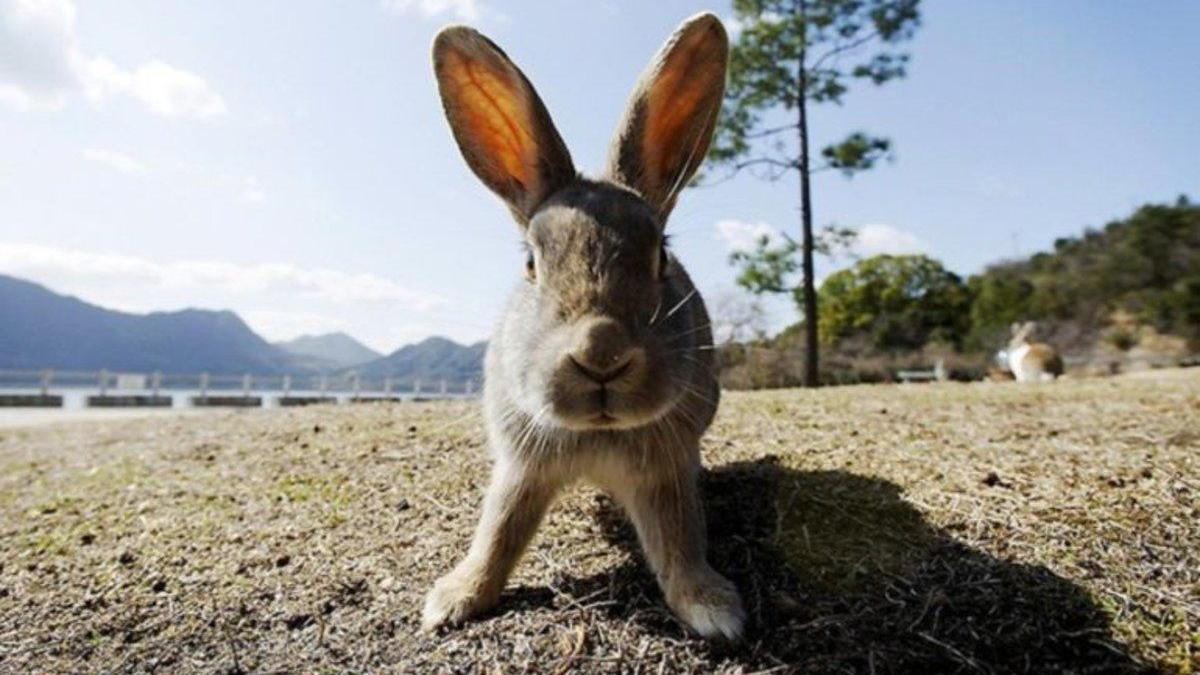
430	361
338	350
42	329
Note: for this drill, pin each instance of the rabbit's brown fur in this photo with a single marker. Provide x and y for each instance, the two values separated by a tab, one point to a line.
1032	361
600	369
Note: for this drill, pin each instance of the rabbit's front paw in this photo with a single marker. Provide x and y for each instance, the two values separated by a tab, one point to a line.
453	599
709	604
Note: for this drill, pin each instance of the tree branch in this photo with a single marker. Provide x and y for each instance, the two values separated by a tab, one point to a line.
771	132
843	48
776	168
766	161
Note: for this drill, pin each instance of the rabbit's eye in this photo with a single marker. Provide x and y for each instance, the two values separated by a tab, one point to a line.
530	267
664	262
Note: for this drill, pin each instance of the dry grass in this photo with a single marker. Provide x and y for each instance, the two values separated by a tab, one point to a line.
946	528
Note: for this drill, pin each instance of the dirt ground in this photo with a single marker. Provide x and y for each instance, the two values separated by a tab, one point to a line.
925	528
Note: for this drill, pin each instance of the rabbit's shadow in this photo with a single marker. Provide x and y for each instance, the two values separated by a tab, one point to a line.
840	573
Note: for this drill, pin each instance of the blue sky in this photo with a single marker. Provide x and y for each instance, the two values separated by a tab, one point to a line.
288	159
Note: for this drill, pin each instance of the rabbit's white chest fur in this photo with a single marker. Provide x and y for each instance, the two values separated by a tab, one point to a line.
1017	363
1024	367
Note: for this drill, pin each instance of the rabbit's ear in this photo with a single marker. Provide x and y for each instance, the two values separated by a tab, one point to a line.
499	122
668	126
1021	331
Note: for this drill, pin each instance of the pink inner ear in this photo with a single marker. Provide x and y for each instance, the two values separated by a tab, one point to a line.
493	116
677	96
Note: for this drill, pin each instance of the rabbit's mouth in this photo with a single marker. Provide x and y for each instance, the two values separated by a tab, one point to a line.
604	382
607	407
604	419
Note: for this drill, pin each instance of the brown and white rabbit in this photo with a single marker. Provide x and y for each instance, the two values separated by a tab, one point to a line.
1031	362
600	370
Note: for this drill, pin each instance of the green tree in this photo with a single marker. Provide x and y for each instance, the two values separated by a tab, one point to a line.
1000	299
770	266
790	54
899	301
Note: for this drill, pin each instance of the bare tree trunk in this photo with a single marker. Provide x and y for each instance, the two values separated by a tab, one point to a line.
809	293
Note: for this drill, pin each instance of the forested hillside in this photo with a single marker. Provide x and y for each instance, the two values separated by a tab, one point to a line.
1129	290
1146	266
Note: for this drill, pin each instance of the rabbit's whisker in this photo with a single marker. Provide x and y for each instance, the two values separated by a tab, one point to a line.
472	415
657	309
680	304
691	359
691	389
702	348
529	426
688	332
685	169
687	412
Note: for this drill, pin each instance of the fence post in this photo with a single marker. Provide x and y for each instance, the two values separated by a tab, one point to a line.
470	387
47	377
416	387
246	385
203	385
443	386
156	382
387	387
287	385
103	382
356	383
324	384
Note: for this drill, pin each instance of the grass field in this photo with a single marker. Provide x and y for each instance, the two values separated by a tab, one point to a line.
942	528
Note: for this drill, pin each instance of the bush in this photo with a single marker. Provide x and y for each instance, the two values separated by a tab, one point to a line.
900	302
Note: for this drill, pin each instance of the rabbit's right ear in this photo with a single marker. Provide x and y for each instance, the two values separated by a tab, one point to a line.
500	124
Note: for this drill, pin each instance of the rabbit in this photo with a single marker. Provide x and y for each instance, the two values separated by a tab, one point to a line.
1031	362
600	369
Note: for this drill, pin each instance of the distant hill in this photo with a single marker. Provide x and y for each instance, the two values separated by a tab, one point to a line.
42	329
1146	266
337	350
430	361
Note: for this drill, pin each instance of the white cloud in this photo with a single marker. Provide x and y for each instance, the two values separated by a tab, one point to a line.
466	10
284	325
42	64
252	191
278	300
878	238
873	239
742	236
36	43
162	88
42	262
114	160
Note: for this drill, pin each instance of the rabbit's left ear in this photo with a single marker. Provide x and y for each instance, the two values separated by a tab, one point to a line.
669	123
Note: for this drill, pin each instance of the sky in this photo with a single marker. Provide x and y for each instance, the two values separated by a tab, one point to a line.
288	159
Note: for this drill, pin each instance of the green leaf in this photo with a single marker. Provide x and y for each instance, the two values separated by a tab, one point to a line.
858	152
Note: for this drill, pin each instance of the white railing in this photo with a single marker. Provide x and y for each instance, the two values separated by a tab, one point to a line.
110	387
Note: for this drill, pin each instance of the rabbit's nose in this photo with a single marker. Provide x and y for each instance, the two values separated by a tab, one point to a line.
603	352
